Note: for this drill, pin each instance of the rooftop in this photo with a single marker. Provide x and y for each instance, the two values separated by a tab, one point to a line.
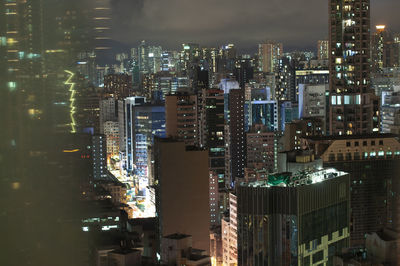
293	180
348	137
177	236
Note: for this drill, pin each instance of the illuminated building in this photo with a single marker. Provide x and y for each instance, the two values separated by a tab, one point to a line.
129	120
101	21
230	234
211	129
265	113
181	118
261	148
111	132
385	51
371	161
293	219
269	54
182	191
189	56
236	159
118	85
390	113
108	111
311	77
313	101
323	50
99	156
288	111
354	109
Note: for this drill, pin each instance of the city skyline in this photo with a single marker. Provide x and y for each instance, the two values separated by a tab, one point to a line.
170	23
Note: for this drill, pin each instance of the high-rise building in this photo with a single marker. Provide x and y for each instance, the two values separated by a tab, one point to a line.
129	124
182	191
236	135
118	86
323	50
261	148
181	119
269	54
299	219
372	162
108	111
384	49
353	105
99	156
211	129
265	113
111	132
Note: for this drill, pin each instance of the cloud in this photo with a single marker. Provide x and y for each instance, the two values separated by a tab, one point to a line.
297	23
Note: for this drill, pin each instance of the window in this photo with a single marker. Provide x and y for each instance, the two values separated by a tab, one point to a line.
365	143
348	144
373	143
356	144
381	142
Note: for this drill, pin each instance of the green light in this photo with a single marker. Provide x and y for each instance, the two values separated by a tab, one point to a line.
12	85
71	99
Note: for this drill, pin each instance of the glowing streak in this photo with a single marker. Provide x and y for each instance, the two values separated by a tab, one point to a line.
70	151
71	99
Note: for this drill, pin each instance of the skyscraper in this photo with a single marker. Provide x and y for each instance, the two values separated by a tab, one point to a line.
269	54
323	50
352	102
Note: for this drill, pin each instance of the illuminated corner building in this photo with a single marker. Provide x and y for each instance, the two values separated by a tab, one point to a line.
300	219
372	162
354	109
181	118
323	50
111	132
182	191
269	54
211	130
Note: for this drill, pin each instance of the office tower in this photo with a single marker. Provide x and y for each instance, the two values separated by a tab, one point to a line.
211	130
129	116
293	219
353	105
265	113
323	50
108	111
99	156
230	234
371	161
244	71
237	135
269	54
295	130
188	58
181	121
182	191
118	86
261	148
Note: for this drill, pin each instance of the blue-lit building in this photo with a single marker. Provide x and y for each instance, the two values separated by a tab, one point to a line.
266	113
143	122
288	111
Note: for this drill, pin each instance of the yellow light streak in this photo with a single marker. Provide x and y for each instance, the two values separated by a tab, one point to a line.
71	99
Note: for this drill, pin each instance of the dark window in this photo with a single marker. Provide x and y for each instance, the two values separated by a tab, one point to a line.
331	157
307	261
356	144
365	143
381	142
373	143
356	156
348	156
318	256
348	144
340	157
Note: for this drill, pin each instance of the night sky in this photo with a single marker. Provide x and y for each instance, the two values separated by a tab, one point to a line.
297	23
